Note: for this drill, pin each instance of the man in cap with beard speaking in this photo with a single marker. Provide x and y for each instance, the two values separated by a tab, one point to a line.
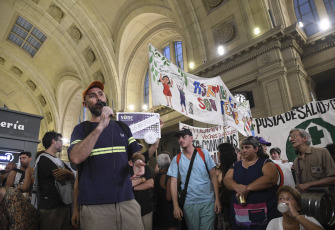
101	149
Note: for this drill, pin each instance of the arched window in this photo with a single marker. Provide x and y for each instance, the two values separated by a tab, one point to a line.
330	6
178	48
146	90
306	13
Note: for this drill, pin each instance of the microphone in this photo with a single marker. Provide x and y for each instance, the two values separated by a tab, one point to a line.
102	103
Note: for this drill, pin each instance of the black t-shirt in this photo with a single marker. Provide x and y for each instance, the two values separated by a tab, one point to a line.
50	197
145	197
146	156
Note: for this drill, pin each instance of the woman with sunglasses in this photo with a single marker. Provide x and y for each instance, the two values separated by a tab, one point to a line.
254	184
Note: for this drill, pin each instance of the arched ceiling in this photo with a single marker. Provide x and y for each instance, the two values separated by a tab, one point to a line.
50	83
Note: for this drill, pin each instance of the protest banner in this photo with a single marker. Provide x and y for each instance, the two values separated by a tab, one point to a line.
211	138
142	125
316	117
203	99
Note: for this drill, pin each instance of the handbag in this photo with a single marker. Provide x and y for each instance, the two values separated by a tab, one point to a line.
64	188
65	191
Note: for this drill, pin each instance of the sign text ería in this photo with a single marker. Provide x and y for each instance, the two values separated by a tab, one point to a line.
10	125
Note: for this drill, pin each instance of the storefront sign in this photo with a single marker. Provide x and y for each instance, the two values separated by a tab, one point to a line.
6	157
18	124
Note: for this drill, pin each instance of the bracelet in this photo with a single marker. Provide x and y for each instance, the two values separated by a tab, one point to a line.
295	217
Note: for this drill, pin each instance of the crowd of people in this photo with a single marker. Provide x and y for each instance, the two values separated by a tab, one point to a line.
112	187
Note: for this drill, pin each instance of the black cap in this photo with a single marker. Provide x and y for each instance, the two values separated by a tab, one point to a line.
183	132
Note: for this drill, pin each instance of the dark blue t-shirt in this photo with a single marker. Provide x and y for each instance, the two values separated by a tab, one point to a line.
257	201
104	176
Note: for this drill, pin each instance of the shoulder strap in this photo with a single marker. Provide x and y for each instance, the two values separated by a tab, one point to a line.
178	158
56	161
201	153
18	170
190	170
87	127
124	127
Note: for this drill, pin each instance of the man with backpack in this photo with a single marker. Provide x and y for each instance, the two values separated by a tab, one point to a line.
54	211
101	149
199	199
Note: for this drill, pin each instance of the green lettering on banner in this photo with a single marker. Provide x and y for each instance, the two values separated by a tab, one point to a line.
316	134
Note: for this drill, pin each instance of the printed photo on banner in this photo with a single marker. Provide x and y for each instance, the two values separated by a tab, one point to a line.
316	117
206	100
211	138
142	125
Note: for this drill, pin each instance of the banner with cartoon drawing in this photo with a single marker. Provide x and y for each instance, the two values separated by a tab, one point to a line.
211	138
317	118
203	99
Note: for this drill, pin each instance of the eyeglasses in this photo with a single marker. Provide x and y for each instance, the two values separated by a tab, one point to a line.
293	136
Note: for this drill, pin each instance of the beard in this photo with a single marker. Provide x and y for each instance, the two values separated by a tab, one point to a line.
95	109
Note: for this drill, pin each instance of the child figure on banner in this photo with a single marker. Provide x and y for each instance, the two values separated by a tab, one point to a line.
182	98
166	88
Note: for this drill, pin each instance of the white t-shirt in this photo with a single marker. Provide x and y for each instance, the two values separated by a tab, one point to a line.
277	223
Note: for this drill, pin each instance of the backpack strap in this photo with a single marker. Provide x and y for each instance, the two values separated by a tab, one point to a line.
87	127
201	153
178	158
124	127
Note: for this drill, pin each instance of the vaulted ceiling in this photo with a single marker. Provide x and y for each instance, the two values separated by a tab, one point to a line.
86	40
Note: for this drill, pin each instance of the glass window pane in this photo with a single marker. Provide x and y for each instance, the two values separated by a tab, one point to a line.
33	42
308	18
29	49
306	13
179	54
330	6
21	32
166	52
38	34
24	23
146	89
18	41
305	8
311	29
